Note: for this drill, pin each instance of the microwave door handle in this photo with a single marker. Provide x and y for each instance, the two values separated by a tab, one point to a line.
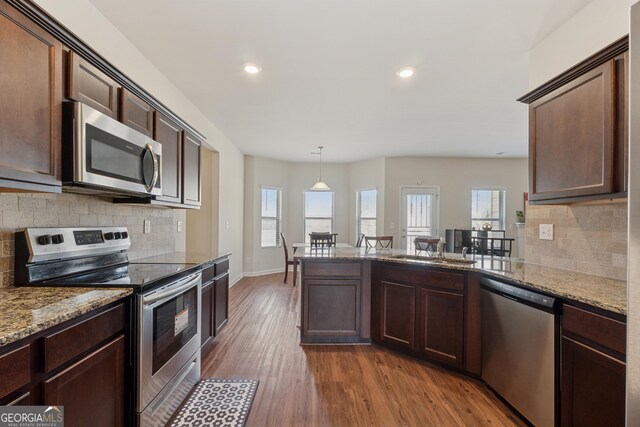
155	168
170	293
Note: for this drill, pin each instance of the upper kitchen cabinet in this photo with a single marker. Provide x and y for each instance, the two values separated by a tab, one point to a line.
577	131
30	105
169	134
136	113
91	86
191	170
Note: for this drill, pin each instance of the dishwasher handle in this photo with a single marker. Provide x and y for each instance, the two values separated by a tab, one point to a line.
524	296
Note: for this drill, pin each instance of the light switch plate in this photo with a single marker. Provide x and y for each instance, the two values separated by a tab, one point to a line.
546	232
179	226
147	226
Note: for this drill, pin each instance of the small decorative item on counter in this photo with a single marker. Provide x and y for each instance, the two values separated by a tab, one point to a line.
519	216
486	226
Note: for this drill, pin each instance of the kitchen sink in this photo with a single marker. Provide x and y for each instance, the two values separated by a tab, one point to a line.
434	259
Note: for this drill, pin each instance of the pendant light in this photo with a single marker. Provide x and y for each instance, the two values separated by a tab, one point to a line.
320	185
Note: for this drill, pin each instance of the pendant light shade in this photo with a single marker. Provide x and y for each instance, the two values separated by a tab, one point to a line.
320	185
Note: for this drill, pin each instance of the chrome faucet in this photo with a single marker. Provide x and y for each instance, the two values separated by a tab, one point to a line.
464	252
440	247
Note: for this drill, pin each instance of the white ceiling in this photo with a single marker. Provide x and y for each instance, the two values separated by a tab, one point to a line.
328	71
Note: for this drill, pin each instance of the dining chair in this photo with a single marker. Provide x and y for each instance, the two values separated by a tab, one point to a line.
425	244
288	261
379	242
360	240
322	240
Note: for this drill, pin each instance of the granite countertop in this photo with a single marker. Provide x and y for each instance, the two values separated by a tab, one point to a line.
181	258
29	310
602	292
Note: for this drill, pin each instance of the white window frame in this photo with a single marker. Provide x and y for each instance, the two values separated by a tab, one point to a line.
502	220
359	217
278	216
305	217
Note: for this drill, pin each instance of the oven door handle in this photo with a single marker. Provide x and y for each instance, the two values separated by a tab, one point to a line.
170	293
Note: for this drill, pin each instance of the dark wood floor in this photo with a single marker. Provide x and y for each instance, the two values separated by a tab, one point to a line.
335	385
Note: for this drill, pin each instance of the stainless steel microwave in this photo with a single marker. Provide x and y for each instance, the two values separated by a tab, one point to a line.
102	155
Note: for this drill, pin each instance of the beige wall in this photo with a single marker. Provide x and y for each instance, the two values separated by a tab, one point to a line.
591	239
455	178
66	210
367	174
202	233
597	25
82	18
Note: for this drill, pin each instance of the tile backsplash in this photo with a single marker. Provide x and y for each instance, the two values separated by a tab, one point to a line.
590	239
18	210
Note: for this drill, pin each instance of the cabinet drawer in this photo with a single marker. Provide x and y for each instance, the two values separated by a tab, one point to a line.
599	329
440	279
338	269
222	266
208	273
15	369
63	346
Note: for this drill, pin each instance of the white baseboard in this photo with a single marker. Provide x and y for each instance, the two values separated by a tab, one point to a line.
263	272
236	280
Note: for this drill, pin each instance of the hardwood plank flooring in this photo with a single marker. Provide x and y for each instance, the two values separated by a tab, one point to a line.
356	385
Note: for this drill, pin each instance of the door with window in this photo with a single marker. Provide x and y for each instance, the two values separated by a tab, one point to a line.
419	214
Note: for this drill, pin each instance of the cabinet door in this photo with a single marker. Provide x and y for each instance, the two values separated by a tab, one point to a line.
441	330
191	171
221	299
91	86
397	315
593	387
30	104
169	134
136	113
91	390
207	313
331	308
572	138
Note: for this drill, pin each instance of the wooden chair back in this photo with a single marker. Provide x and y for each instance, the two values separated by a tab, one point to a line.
379	242
322	240
360	240
426	244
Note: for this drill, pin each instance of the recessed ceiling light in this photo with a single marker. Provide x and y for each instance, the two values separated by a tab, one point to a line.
406	72
252	68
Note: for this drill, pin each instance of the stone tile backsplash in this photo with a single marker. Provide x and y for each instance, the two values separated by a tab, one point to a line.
590	239
18	210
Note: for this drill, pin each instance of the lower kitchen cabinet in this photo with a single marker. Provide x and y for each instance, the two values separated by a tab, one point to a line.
207	331
215	300
593	384
441	327
221	301
398	315
92	389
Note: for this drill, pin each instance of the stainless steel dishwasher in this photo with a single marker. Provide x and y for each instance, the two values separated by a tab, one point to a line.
520	349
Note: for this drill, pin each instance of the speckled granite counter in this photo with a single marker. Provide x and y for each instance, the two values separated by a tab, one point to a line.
28	310
181	258
601	292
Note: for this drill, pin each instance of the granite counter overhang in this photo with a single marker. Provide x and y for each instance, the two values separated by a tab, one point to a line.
596	291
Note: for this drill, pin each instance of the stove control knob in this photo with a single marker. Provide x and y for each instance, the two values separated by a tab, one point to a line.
117	235
44	240
125	234
108	236
57	239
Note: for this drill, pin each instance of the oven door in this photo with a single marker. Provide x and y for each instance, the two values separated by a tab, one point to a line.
169	334
109	155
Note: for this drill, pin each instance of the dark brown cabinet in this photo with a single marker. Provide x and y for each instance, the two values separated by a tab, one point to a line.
136	113
30	105
79	364
441	327
422	312
92	389
169	134
215	300
191	170
577	132
593	369
91	86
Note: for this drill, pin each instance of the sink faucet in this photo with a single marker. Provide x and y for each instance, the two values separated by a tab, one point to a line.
440	247
464	252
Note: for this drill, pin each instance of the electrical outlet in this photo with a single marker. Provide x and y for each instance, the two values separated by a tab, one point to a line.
179	226
147	226
546	232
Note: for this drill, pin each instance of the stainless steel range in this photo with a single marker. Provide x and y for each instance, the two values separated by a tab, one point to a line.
165	315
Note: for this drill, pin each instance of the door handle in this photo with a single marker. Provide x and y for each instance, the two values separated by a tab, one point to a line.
156	171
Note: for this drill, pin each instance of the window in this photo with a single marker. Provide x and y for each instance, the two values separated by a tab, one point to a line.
366	212
271	217
487	206
318	212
